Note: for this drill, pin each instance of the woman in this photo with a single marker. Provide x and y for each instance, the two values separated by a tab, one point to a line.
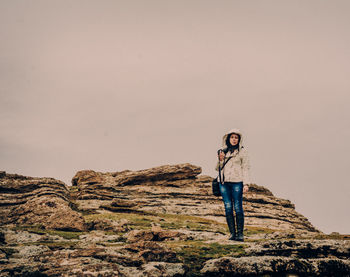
234	180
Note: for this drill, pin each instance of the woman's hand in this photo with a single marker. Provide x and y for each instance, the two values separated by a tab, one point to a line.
245	188
221	156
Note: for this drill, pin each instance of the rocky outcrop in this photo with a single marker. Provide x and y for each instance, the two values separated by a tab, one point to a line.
97	185
37	201
93	254
179	189
282	257
162	221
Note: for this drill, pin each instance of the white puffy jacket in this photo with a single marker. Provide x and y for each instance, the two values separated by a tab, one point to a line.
237	169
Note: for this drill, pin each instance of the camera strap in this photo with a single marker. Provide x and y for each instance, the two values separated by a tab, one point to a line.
221	181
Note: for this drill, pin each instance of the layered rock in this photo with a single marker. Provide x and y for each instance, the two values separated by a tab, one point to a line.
162	221
282	257
152	253
179	189
91	254
37	201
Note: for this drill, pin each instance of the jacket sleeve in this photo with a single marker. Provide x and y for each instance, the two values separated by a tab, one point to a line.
246	167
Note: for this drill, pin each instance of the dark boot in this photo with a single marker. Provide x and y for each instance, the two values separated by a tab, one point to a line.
240	226
231	226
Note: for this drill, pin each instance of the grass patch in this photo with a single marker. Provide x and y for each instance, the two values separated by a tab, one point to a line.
195	253
65	234
135	220
166	221
112	233
331	236
251	230
55	245
37	229
175	222
194	223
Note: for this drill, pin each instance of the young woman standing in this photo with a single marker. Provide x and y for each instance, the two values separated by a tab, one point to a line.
235	178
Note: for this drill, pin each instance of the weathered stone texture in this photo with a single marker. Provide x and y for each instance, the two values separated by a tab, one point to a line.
179	189
37	201
151	223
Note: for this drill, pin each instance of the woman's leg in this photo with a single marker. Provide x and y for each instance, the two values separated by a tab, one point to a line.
237	193
226	193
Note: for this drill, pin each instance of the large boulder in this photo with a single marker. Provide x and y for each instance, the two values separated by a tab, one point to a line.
37	201
179	189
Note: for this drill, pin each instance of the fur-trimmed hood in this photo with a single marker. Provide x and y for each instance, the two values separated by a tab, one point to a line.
236	131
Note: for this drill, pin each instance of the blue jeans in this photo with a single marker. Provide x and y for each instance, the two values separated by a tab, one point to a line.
232	194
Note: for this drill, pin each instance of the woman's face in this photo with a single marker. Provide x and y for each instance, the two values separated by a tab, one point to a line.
234	139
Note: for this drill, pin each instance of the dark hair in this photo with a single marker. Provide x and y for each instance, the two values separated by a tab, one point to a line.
229	146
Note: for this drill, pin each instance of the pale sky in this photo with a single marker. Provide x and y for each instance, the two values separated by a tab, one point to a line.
115	85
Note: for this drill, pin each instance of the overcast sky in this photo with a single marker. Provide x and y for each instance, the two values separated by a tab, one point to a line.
114	85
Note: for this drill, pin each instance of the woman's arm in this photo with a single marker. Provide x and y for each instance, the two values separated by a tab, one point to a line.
220	163
245	167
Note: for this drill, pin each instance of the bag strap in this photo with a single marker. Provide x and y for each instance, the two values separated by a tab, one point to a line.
221	168
226	162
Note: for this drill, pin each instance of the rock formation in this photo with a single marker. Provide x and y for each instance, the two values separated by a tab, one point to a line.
178	189
162	221
300	257
39	201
